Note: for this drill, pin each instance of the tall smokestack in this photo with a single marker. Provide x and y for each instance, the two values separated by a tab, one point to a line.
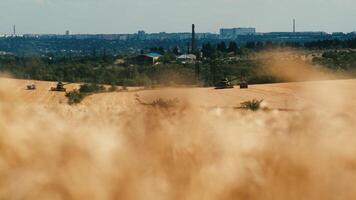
193	38
293	25
14	29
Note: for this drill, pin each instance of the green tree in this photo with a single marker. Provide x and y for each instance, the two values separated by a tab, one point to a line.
208	50
221	47
232	47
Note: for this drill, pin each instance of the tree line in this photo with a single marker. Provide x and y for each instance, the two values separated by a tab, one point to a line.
215	62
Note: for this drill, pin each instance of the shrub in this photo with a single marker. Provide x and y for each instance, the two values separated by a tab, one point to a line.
91	88
129	82
169	103
162	103
253	105
75	97
113	88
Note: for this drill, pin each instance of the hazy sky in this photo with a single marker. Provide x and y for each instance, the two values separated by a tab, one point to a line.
127	16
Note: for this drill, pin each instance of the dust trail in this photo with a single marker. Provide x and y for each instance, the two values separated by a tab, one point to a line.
293	65
142	152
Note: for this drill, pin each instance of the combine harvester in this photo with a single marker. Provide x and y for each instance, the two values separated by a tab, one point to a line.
59	87
226	84
31	86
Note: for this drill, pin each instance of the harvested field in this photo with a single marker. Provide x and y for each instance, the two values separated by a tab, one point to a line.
113	147
294	96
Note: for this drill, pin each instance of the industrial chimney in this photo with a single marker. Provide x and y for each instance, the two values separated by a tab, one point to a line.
193	38
293	25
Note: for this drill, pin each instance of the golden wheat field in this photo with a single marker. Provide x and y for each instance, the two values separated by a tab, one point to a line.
112	147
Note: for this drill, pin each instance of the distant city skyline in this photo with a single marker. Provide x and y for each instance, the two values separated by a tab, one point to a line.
129	16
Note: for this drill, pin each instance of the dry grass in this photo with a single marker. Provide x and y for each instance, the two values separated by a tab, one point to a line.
253	105
161	103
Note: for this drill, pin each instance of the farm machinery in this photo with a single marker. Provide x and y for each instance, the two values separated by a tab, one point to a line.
31	86
227	84
59	87
224	84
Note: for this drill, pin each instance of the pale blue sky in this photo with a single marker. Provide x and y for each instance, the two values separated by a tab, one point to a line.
127	16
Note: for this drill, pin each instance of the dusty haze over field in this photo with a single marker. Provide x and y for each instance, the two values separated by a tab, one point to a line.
111	147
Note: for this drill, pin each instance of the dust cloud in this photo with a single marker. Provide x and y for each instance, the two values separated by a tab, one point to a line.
138	152
293	65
